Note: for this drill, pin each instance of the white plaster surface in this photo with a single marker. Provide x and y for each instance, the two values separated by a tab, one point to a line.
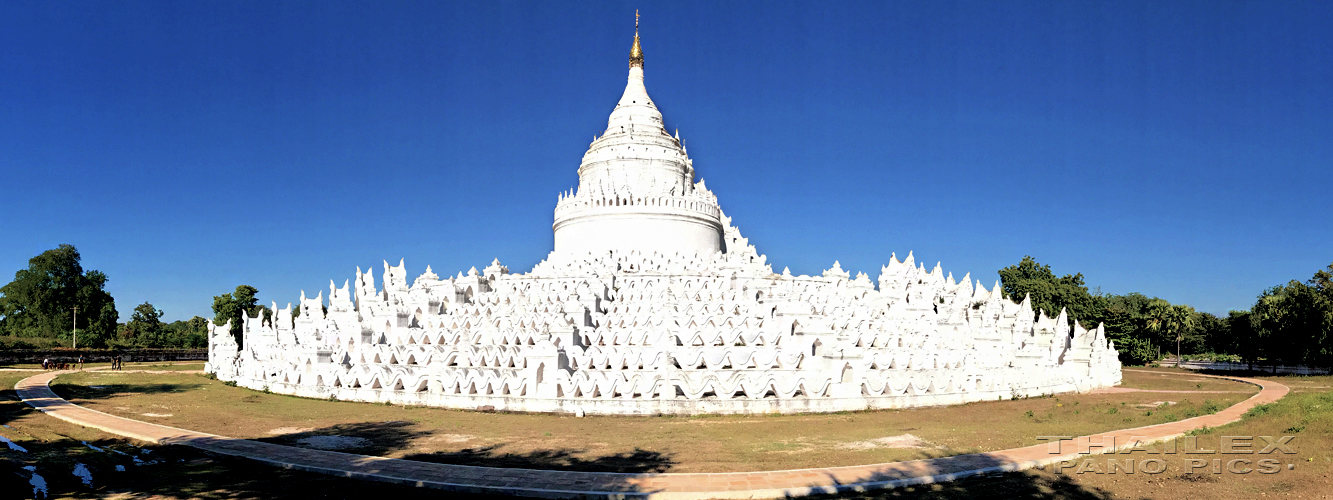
636	188
654	303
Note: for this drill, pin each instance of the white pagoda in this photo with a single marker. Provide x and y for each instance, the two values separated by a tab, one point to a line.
653	303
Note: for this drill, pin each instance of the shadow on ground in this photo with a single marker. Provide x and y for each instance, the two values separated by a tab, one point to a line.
1014	485
1031	484
384	438
74	392
179	472
366	438
636	461
171	472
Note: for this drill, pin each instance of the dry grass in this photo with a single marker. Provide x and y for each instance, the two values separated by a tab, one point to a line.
1306	413
170	366
677	444
54	446
1173	379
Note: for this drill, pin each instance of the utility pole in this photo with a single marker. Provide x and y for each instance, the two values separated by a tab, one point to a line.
76	327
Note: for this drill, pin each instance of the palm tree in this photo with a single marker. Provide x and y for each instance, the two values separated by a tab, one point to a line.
1168	320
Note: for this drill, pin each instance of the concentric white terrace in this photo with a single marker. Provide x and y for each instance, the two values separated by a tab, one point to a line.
653	303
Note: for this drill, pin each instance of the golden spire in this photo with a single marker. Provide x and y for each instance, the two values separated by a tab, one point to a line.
636	52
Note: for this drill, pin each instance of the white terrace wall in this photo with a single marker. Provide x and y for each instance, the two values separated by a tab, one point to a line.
635	333
652	302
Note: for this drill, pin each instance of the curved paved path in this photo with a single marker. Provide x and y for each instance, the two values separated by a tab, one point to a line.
565	484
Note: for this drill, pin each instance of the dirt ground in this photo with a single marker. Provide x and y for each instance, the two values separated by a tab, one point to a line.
119	468
637	444
54	447
1306	414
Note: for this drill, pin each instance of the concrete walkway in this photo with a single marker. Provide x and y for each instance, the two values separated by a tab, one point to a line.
564	484
1123	390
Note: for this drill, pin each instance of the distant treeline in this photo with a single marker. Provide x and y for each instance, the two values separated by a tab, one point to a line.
66	355
1290	324
38	311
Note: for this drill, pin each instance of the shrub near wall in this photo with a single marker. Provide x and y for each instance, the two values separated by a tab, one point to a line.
35	356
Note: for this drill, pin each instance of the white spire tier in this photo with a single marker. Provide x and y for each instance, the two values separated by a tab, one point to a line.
636	186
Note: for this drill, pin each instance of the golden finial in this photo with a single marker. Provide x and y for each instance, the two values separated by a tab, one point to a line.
636	52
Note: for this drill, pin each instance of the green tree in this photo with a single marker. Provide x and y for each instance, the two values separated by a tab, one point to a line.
1136	351
1125	316
1051	293
1210	334
191	333
1244	338
1319	337
1323	282
145	328
1294	323
1169	323
40	301
235	306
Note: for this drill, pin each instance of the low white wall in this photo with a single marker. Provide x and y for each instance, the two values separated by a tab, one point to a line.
649	406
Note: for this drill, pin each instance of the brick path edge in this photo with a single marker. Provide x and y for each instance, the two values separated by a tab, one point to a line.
36	392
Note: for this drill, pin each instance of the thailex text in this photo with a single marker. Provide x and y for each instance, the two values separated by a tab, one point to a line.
1225	455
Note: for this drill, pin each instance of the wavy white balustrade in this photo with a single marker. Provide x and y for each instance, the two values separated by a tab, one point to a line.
647	333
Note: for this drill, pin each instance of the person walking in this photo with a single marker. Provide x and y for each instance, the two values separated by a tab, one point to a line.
46	363
80	362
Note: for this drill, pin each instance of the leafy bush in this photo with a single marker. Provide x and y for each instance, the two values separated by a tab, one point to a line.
1212	356
1136	351
1259	410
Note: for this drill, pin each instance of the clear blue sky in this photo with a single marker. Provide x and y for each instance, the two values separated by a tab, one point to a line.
1178	149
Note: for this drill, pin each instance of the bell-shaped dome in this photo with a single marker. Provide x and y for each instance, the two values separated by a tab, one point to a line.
636	184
